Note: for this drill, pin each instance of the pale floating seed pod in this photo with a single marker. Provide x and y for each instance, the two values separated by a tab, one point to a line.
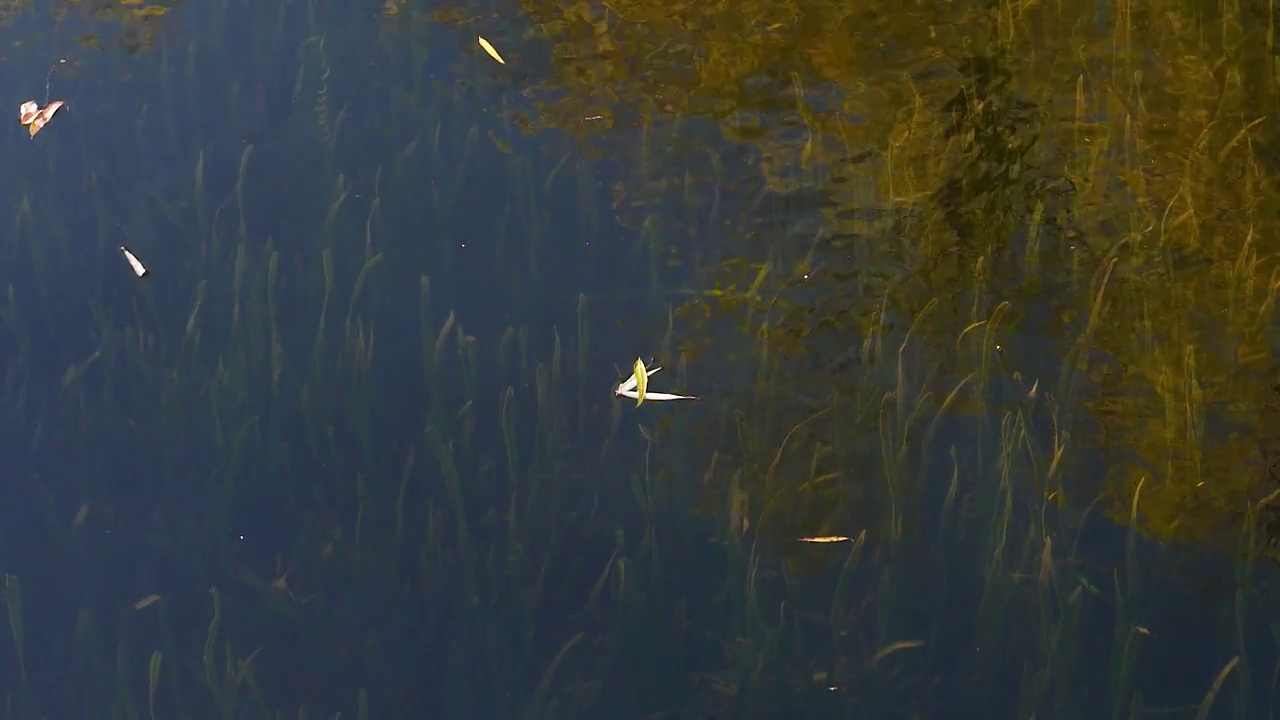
138	268
489	48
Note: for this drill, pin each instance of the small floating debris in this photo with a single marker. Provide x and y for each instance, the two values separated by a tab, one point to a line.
489	48
826	539
636	386
642	380
657	397
34	117
630	383
146	601
138	268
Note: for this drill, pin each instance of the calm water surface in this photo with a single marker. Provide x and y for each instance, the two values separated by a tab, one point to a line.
977	302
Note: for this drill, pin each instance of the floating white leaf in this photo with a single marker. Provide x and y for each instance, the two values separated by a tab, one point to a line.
138	268
656	396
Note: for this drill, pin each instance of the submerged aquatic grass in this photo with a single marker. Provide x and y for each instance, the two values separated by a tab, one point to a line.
332	407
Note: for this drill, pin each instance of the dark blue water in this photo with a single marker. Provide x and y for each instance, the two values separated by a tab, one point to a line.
356	427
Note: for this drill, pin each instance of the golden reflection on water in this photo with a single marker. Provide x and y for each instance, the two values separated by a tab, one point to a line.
975	155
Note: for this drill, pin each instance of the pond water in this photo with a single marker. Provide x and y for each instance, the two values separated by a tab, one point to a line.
974	304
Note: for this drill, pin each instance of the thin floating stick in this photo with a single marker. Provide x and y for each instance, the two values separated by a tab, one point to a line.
656	396
489	48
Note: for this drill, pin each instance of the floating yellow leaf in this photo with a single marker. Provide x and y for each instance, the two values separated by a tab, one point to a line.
636	386
629	385
493	53
642	381
825	539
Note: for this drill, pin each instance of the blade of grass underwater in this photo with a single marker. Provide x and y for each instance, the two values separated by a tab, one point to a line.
548	420
426	330
584	333
239	190
506	351
453	485
400	495
1206	705
153	681
535	707
437	377
210	642
365	271
123	703
201	207
13	598
507	419
556	360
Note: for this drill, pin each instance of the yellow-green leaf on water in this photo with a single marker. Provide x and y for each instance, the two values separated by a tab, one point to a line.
642	381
